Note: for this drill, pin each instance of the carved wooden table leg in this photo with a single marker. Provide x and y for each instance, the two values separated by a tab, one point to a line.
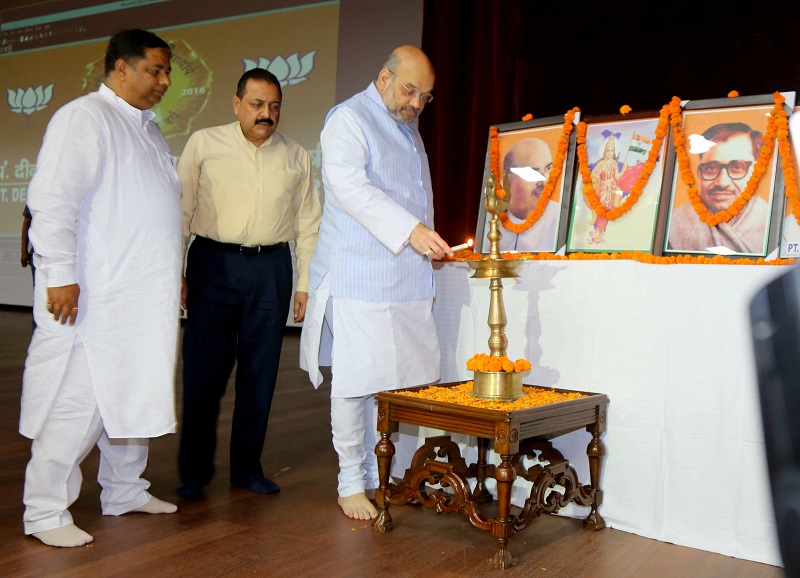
482	471
505	430
503	525
385	451
596	451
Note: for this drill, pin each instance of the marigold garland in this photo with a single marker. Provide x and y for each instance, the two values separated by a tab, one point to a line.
649	258
527	117
625	109
789	175
586	174
494	161
777	131
760	168
461	394
489	363
550	185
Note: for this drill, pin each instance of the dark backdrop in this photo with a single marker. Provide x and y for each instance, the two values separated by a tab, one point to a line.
498	60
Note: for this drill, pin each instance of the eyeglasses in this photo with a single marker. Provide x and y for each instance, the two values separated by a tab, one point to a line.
424	97
736	170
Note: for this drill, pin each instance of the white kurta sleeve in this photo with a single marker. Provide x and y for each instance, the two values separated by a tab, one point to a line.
71	157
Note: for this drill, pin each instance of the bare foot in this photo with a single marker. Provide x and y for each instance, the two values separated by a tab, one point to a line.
156	506
357	507
68	536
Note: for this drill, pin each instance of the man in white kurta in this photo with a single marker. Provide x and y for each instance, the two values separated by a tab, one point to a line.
107	236
370	281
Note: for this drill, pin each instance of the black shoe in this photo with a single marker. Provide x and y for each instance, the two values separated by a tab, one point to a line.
257	485
190	491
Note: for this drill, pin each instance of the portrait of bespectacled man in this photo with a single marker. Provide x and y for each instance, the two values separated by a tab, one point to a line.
723	148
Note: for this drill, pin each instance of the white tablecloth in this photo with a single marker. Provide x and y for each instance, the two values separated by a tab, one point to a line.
670	345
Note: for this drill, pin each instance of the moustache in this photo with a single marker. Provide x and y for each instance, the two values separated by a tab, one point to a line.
723	190
266	120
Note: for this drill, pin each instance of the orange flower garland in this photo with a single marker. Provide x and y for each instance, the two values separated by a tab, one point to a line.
777	132
710	219
639	256
636	191
789	175
461	395
550	185
494	161
625	109
484	362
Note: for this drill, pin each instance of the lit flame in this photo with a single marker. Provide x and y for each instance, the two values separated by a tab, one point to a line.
466	245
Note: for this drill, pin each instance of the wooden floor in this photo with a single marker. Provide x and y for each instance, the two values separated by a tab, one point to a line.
301	531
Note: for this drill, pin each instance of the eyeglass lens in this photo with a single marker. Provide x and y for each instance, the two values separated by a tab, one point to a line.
424	97
735	169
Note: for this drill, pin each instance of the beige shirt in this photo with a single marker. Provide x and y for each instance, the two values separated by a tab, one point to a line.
235	192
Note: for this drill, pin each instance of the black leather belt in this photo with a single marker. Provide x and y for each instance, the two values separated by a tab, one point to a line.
242	249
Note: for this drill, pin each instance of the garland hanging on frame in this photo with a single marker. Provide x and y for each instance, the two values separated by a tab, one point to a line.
760	168
671	114
586	175
552	179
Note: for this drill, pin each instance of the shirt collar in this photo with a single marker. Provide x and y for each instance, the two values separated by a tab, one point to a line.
141	116
513	218
375	96
240	135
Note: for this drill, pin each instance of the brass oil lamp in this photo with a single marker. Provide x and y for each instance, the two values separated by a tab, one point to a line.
496	385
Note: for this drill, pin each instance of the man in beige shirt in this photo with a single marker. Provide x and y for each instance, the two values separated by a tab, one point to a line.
247	191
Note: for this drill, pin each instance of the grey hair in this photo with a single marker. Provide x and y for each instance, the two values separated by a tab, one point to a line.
391	62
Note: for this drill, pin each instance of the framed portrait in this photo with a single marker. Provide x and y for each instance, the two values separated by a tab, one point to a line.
790	228
617	156
527	152
723	142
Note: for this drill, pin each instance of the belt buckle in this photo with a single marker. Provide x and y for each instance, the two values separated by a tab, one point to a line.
245	250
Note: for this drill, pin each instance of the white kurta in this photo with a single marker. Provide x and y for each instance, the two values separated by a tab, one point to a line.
377	346
378	188
106	215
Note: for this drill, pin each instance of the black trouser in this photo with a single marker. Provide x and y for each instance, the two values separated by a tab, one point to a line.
236	312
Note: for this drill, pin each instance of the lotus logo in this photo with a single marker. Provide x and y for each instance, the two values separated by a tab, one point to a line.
291	70
29	100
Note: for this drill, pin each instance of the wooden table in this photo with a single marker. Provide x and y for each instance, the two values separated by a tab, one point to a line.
515	436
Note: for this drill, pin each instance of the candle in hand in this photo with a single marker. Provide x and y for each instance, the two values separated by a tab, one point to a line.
462	246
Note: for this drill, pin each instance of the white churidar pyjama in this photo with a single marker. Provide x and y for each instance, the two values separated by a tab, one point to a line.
353	422
53	477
